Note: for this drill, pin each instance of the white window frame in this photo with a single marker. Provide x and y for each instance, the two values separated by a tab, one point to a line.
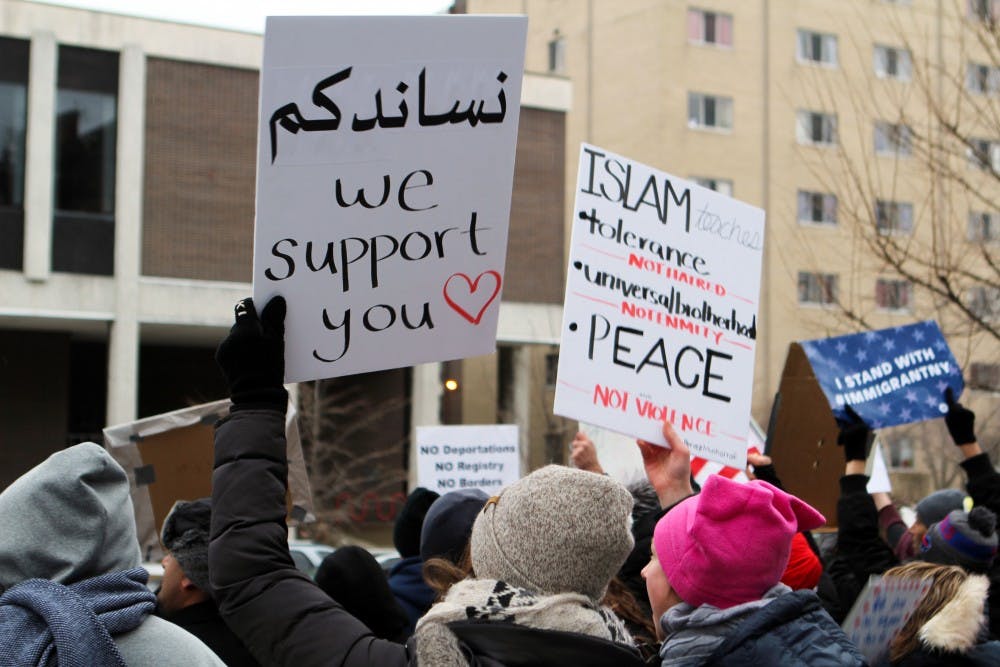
984	226
894	139
984	301
805	124
716	17
983	147
822	202
982	79
892	62
705	104
903	300
806	43
723	186
814	280
898	216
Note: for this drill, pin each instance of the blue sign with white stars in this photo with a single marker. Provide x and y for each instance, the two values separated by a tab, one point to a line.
889	377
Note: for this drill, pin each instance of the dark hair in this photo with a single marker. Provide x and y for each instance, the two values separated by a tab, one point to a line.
619	599
441	574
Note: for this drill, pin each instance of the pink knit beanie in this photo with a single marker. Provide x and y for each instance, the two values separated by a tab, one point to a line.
730	543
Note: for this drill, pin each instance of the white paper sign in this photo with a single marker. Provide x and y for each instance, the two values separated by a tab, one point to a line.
660	318
450	458
385	163
880	612
878	474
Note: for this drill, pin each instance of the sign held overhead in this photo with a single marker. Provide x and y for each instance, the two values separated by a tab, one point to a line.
660	317
385	164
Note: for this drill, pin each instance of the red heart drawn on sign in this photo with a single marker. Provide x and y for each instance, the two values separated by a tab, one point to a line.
455	289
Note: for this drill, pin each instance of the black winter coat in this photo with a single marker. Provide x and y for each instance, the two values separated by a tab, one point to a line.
285	619
861	551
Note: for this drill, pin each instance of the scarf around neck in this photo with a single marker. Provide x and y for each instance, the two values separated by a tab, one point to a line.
494	600
46	623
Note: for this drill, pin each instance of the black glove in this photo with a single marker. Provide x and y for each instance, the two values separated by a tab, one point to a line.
961	421
854	436
252	356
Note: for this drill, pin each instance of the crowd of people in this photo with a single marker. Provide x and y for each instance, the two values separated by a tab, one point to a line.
565	566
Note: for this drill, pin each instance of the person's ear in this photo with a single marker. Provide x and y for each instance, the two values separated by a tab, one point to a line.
188	585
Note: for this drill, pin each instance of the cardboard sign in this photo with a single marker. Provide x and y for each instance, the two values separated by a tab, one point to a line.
803	438
169	457
384	171
889	377
880	612
660	317
450	458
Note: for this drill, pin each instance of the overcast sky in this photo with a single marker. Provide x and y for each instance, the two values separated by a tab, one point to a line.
249	15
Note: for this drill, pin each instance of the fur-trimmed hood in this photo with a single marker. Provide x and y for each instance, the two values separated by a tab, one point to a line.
959	624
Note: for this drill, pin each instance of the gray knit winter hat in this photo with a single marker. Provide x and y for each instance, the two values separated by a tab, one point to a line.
936	506
557	530
185	536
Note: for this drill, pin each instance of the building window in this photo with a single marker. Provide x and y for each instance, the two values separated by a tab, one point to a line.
816	127
892	294
817	288
557	54
710	111
892	63
984	301
13	120
984	227
982	79
893	139
551	368
900	452
983	10
893	217
85	136
983	154
706	27
721	185
817	208
817	47
984	376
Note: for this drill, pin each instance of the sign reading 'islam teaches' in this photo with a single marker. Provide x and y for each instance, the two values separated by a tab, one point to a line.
385	162
660	318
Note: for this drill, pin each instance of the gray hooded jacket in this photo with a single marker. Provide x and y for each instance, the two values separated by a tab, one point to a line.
70	518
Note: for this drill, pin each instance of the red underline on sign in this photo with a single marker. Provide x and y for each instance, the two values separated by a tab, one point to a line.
606	303
742	298
567	384
733	342
602	252
741	438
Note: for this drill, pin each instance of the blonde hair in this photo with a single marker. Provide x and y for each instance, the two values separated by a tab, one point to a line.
945	580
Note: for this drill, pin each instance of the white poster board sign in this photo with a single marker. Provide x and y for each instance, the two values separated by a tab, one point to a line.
660	317
878	473
880	612
385	163
450	458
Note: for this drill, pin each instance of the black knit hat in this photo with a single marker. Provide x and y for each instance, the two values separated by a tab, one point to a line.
185	535
406	531
352	577
966	539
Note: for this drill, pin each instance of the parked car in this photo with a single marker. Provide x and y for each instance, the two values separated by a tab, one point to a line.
308	555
